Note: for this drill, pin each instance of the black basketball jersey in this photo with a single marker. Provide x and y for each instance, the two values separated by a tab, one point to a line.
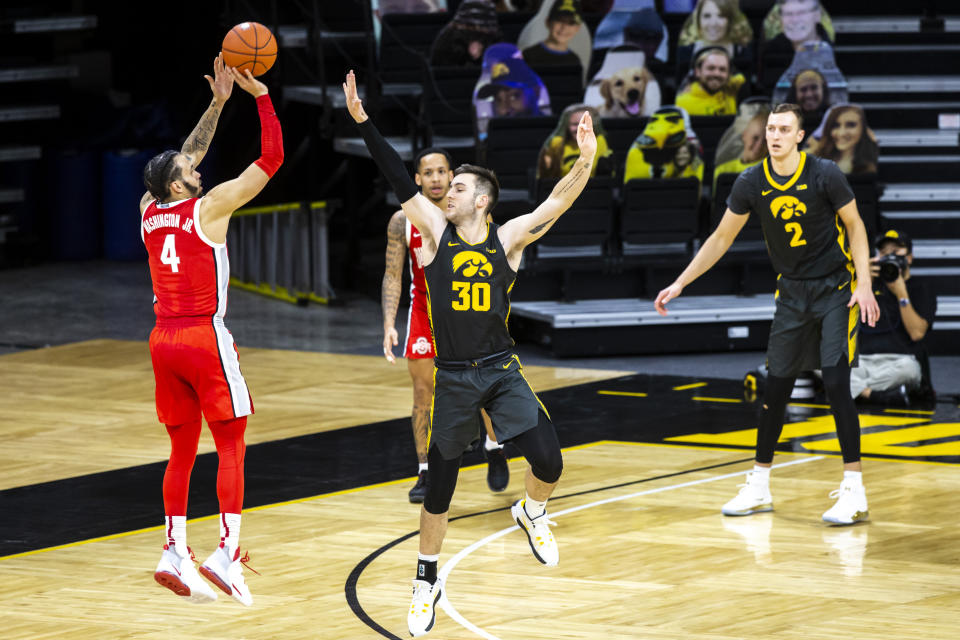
805	237
468	296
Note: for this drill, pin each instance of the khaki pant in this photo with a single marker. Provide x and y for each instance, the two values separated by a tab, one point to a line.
882	371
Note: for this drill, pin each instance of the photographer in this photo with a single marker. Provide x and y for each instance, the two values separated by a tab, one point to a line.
891	352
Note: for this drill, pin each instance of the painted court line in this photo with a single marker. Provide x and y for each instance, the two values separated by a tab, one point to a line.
449	566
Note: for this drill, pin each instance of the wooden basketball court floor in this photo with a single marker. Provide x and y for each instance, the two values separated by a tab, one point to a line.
645	552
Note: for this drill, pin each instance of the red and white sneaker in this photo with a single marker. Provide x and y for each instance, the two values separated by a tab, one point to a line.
177	573
227	573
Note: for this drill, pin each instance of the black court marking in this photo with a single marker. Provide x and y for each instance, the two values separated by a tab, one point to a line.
350	587
79	508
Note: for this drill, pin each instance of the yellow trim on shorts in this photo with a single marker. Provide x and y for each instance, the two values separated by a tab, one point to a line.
852	331
519	364
433	399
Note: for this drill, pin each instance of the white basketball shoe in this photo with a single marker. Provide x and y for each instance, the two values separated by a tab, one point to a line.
851	505
423	613
542	542
177	573
227	573
754	496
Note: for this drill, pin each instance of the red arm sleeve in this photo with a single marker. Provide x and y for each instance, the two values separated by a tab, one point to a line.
271	138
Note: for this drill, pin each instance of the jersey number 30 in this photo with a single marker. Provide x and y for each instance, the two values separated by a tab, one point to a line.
472	295
169	253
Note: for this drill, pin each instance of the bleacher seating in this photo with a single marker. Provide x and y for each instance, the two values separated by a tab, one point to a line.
659	217
586	229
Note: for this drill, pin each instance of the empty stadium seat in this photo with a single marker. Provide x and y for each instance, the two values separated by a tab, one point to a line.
659	216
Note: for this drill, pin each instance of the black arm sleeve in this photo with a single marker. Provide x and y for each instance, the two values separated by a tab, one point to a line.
388	161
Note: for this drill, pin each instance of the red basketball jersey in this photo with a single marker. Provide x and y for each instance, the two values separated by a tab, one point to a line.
190	272
418	285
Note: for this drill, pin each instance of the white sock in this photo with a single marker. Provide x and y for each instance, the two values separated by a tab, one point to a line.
426	558
491	444
422	468
176	530
762	473
533	507
853	477
230	532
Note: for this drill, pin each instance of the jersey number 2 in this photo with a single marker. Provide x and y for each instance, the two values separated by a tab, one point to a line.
169	253
797	240
472	295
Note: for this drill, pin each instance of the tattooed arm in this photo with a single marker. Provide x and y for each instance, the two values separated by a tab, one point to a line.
392	282
221	84
522	230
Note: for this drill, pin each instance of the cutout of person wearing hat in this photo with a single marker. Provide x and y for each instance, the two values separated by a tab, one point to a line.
507	88
890	371
711	87
563	24
464	39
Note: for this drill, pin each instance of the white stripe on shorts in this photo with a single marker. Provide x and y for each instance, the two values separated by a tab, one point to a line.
239	393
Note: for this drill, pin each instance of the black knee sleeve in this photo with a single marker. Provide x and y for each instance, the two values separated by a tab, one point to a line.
441	481
836	382
775	399
542	450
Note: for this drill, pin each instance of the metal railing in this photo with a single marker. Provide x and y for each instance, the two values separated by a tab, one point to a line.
282	251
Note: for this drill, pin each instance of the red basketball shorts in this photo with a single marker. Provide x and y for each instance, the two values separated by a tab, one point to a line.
197	369
419	343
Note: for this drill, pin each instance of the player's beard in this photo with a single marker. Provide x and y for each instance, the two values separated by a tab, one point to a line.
193	190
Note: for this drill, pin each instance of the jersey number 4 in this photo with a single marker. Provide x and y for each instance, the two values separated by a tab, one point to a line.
471	295
169	253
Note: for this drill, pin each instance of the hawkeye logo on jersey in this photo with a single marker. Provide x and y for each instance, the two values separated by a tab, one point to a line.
786	207
470	263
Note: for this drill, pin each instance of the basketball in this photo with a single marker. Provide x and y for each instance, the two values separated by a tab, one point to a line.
250	45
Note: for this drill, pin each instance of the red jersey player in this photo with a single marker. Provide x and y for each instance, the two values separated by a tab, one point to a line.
194	359
433	176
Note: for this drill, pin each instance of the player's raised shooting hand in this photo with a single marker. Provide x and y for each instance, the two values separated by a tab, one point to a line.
354	105
665	296
586	139
221	84
248	83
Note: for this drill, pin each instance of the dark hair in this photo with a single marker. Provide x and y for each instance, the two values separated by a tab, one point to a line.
824	87
160	172
789	107
866	151
428	151
486	183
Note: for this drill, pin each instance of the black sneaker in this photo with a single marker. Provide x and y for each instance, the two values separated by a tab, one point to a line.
498	473
419	491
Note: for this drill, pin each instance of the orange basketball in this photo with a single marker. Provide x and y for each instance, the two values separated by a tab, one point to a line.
250	45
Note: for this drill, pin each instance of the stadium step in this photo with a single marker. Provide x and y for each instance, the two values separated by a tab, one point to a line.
899	114
39	74
901	59
919	168
17	154
53	24
34	112
918	141
920	88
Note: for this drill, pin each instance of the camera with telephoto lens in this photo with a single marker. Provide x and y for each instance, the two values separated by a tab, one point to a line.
891	266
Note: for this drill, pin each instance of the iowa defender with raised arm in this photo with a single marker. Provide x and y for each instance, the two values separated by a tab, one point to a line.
470	266
818	246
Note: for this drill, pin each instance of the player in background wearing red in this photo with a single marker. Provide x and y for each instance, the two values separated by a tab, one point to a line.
194	359
433	175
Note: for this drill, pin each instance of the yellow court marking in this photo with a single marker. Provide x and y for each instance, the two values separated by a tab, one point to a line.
808	406
635	394
917	412
706	399
684	387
